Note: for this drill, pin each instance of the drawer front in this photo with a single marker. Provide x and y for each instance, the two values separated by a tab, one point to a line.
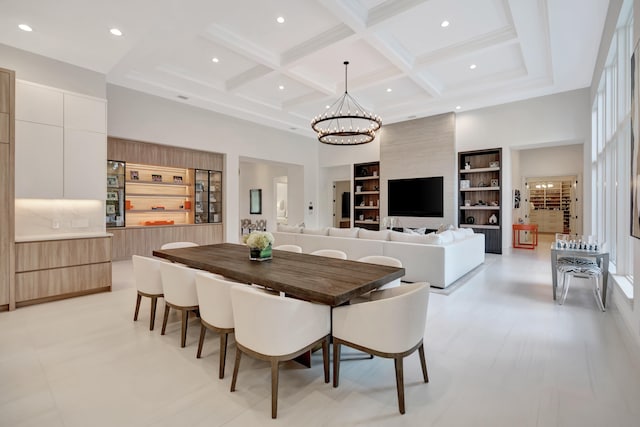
59	281
32	256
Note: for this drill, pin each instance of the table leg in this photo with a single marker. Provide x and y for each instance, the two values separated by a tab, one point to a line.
605	278
554	273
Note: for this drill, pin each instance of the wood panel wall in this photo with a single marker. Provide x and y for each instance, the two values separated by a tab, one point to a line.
7	162
420	148
148	153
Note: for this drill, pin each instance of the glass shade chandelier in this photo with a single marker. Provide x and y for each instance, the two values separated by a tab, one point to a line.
345	122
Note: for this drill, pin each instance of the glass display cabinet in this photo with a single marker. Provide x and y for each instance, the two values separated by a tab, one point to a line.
114	205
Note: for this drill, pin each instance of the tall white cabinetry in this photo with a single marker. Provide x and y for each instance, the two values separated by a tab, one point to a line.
61	144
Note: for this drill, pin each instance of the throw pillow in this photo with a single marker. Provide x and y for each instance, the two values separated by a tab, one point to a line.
433	239
316	231
343	232
446	236
459	234
373	235
396	236
444	227
288	228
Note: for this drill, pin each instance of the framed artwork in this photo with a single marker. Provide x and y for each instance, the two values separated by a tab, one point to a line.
635	149
112	195
134	175
255	201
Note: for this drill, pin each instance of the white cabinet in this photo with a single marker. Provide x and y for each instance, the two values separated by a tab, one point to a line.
38	161
39	104
84	172
61	146
81	112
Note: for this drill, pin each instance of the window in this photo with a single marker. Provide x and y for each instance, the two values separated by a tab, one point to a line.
611	145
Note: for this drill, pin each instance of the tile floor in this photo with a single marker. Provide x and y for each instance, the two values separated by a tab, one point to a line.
499	352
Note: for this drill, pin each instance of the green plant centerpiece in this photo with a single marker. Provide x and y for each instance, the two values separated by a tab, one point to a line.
259	243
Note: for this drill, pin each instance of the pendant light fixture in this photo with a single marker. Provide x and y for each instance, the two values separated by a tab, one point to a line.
346	122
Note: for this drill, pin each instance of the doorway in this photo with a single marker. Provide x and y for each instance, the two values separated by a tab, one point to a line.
554	203
341	204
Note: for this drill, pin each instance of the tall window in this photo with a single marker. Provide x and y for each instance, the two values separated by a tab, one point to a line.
611	145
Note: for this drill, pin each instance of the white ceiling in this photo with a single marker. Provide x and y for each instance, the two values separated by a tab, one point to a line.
522	49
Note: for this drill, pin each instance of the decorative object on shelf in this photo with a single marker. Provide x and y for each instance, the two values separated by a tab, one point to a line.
156	178
358	188
260	244
516	199
346	122
112	195
375	173
187	204
494	183
495	203
177	179
111	209
159	222
465	183
112	181
157	208
494	164
364	172
128	205
482	184
467	165
134	175
493	219
467	202
470	220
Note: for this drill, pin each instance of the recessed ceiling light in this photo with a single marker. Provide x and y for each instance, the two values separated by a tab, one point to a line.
280	20
458	107
473	66
281	87
444	24
327	106
25	27
389	89
214	59
115	32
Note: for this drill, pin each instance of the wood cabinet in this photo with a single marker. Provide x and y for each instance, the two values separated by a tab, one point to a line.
61	144
366	195
480	195
551	195
58	269
7	227
549	221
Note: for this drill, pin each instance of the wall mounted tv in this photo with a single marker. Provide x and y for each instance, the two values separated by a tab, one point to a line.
416	197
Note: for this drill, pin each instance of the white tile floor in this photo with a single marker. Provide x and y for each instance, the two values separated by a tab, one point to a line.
499	352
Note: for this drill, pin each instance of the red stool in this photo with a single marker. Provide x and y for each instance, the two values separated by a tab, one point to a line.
518	228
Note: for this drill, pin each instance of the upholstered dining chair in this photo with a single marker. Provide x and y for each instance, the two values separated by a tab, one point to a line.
177	245
146	272
330	253
391	325
216	314
245	224
261	225
289	248
179	285
387	261
286	328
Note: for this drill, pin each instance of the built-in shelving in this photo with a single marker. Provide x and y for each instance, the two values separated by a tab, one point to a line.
366	195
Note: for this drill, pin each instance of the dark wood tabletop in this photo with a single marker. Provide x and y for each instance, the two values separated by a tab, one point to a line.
313	278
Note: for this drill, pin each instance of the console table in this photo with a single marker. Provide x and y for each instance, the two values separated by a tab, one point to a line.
517	229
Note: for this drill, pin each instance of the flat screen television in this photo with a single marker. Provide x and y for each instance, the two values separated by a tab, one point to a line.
421	197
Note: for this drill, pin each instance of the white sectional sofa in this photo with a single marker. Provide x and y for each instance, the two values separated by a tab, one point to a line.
439	259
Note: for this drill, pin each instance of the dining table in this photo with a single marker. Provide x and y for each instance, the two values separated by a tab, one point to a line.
312	278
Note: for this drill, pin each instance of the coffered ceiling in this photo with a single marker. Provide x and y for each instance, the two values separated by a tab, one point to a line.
403	63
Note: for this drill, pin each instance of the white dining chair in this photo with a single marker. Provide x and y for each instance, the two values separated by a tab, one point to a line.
179	285
178	245
274	328
146	272
387	261
330	253
289	248
391	325
216	313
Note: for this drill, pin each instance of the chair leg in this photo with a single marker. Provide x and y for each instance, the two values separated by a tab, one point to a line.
274	389
185	319
223	354
565	291
423	362
325	358
400	383
203	331
135	315
236	366
336	363
154	304
596	293
165	319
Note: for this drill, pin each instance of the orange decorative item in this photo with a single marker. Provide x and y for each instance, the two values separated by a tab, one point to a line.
160	222
127	205
187	204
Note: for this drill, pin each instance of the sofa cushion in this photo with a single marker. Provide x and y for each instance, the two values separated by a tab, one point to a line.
446	236
396	236
373	235
316	231
343	232
433	239
444	227
468	231
459	234
289	228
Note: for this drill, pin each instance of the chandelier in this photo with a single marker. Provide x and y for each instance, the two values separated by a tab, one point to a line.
345	122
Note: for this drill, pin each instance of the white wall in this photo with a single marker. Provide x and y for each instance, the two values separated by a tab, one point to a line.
259	176
326	177
138	116
547	121
552	161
